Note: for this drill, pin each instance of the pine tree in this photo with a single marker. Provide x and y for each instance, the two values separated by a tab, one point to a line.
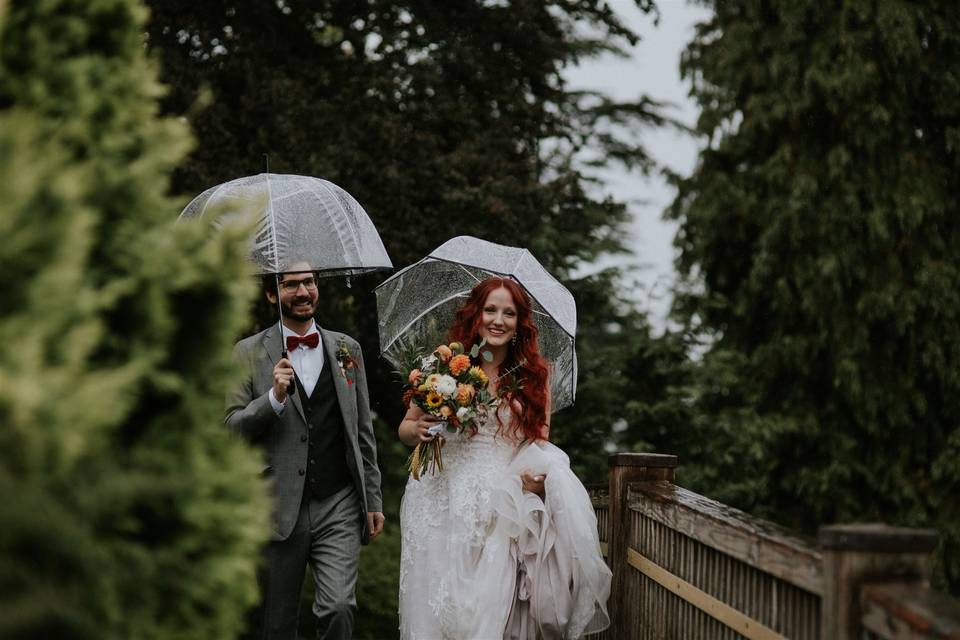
125	510
818	239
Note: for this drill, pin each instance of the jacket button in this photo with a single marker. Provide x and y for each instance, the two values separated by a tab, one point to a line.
302	472
303	438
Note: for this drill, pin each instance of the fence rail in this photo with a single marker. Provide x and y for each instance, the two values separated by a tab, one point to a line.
689	568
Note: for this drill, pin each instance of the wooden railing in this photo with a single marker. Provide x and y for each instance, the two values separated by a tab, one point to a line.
688	568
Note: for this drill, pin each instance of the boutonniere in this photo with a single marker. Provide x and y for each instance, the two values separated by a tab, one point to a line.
346	360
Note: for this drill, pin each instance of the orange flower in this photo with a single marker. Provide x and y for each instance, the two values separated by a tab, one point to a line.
407	396
446	411
459	364
444	352
465	394
414	378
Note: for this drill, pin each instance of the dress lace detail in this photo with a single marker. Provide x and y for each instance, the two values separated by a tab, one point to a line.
481	559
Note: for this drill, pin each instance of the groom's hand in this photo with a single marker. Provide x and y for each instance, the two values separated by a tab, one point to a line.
374	523
282	375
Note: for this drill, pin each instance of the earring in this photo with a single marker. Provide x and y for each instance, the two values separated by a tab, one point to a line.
513	340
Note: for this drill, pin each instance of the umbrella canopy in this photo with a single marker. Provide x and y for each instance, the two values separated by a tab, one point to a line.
417	304
300	219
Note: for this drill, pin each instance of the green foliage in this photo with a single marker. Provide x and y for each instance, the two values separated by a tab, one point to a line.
442	119
125	510
818	239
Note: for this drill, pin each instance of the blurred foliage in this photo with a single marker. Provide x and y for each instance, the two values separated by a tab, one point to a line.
442	119
821	280
125	509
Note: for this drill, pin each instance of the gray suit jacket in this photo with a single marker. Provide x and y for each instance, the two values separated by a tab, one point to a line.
282	438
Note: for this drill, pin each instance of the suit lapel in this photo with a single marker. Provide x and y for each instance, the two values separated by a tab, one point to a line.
272	345
345	398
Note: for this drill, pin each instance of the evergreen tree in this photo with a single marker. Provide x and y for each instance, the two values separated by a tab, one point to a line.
442	119
817	238
125	510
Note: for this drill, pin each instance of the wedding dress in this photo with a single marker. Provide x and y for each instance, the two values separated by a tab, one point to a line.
483	560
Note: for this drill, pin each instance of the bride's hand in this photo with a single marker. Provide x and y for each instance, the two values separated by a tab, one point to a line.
423	425
532	483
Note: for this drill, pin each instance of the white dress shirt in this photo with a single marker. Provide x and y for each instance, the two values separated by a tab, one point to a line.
307	362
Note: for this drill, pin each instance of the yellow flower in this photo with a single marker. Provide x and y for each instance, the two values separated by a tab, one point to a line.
434	400
456	347
465	394
477	374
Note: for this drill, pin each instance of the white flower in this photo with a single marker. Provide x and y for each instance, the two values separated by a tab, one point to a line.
462	413
427	361
445	385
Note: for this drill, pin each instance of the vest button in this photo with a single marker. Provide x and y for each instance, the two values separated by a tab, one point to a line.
313	462
303	438
302	472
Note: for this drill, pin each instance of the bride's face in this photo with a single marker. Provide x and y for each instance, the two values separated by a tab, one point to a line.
499	318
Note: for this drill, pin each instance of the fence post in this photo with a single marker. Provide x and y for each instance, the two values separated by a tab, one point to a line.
854	554
625	468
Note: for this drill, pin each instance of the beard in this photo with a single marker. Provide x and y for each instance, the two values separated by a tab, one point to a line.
288	309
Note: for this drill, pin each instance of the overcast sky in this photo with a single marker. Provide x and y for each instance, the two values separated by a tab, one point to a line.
654	70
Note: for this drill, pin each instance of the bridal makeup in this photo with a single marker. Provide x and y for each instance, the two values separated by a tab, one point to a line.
499	318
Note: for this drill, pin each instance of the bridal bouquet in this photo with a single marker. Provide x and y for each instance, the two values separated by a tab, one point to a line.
448	385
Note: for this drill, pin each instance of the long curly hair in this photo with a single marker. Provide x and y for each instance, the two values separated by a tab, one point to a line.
531	376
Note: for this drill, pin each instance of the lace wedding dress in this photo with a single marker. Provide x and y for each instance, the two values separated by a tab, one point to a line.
484	560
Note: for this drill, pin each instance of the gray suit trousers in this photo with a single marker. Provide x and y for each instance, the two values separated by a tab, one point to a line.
327	537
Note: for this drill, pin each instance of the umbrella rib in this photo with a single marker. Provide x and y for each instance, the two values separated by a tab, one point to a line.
343	246
520	257
216	190
273	224
348	217
467	271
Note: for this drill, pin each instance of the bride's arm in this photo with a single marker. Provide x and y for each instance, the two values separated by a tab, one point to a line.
413	428
545	430
530	482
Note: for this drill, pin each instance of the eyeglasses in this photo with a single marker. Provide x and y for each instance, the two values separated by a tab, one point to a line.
292	286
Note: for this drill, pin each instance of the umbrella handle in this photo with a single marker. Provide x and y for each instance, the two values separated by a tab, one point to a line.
292	389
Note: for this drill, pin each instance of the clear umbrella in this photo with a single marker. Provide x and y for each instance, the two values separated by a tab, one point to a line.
416	305
300	219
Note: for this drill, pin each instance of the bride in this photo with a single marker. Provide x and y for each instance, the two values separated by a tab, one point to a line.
502	543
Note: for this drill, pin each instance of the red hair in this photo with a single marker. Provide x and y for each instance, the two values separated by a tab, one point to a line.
531	375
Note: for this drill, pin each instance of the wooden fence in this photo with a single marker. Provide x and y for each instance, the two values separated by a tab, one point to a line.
689	568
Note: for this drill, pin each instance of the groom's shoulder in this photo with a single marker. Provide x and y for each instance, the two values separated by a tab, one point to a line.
249	342
339	336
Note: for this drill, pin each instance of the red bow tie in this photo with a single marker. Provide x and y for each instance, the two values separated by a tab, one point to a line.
311	341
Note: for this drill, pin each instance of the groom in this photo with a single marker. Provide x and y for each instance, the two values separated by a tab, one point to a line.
320	455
